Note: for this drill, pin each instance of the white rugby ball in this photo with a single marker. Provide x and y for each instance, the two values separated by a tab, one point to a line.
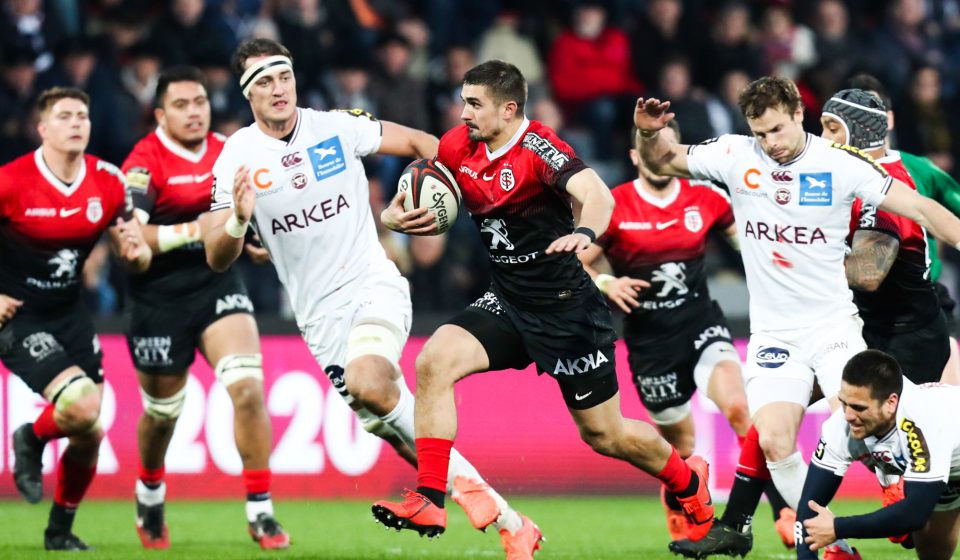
429	184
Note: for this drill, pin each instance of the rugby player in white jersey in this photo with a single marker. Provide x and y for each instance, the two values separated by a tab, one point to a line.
792	194
295	174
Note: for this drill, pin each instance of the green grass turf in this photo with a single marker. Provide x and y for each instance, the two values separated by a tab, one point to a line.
576	528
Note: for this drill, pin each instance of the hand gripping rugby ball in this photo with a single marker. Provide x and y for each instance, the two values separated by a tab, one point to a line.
429	184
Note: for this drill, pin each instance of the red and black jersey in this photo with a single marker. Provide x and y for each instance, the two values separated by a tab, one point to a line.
663	241
48	228
172	185
517	197
906	298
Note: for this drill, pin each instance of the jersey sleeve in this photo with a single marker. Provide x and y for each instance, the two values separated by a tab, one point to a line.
713	159
871	218
863	177
553	159
720	202
928	446
143	190
365	132
943	188
833	449
221	195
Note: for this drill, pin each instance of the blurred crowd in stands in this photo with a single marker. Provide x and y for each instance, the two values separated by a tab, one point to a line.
586	62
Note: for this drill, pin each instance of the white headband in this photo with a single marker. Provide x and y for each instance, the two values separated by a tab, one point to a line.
256	70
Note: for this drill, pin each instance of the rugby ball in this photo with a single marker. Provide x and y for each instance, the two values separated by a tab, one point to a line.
429	184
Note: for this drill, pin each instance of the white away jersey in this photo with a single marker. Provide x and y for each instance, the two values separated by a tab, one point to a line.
792	220
924	445
313	204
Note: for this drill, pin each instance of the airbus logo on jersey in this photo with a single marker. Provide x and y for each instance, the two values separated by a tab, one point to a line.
771	357
590	362
188	179
40	212
469	172
327	158
778	233
816	189
633	226
307	216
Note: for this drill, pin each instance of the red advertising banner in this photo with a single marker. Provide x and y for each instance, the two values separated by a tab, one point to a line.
513	426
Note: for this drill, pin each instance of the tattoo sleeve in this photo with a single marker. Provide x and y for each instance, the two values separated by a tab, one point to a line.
870	260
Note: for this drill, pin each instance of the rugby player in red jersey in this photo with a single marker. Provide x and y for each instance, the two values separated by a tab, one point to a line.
55	204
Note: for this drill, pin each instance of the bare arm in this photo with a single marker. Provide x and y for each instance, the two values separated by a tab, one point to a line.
399	140
732	239
589	189
870	260
906	202
126	240
661	156
223	240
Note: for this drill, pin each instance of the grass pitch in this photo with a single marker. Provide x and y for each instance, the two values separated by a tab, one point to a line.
576	528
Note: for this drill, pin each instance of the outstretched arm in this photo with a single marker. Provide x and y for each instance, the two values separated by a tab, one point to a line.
661	156
589	190
870	259
905	201
399	140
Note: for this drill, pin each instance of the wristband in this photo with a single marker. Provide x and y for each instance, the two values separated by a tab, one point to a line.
647	135
234	228
588	232
602	280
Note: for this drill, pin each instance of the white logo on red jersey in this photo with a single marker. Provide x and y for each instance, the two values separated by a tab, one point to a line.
507	181
692	219
672	276
66	262
498	233
187	179
64	213
664	225
94	209
40	212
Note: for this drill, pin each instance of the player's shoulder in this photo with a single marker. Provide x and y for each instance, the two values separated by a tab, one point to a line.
102	169
455	144
244	139
733	143
20	165
542	143
704	188
844	154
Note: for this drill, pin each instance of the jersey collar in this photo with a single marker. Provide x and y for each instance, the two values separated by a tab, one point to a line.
178	150
513	141
658	202
54	181
277	143
806	148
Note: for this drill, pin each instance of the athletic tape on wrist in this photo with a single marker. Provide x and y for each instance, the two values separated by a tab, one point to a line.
234	228
602	281
252	73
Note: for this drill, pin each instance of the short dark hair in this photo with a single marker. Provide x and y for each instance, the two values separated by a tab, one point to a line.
256	47
49	97
769	92
672	124
176	74
867	82
503	81
875	370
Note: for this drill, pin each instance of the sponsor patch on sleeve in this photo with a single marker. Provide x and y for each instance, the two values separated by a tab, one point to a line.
917	444
821	448
138	178
357	113
550	154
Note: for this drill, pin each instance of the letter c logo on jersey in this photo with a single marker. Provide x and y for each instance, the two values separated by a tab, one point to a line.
261	178
748	178
771	357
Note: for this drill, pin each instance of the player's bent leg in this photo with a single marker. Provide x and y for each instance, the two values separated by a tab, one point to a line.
162	397
725	389
937	540
232	345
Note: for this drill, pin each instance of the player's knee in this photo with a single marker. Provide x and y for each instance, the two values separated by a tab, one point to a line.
369	380
936	549
435	366
604	439
777	445
77	403
247	396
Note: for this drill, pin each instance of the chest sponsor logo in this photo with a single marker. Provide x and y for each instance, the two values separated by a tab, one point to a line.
692	219
188	179
41	345
489	177
778	233
507	180
231	302
152	350
94	210
634	226
664	225
750	178
659	388
709	334
64	264
499	236
783	196
306	217
326	158
917	444
299	181
672	278
261	178
772	357
291	160
781	176
40	212
550	154
469	172
816	189
574	366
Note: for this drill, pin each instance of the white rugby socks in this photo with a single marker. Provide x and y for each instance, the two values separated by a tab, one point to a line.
788	476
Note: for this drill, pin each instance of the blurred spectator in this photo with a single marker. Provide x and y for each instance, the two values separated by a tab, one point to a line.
134	98
504	41
903	42
659	35
348	86
674	85
445	85
303	30
226	100
396	95
788	47
591	74
188	28
26	26
838	49
725	115
17	90
455	23
417	34
730	47
925	123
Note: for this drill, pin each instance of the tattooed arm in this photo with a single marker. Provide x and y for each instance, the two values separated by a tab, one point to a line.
871	258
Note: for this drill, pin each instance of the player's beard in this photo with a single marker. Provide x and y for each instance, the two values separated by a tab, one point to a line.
475	135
